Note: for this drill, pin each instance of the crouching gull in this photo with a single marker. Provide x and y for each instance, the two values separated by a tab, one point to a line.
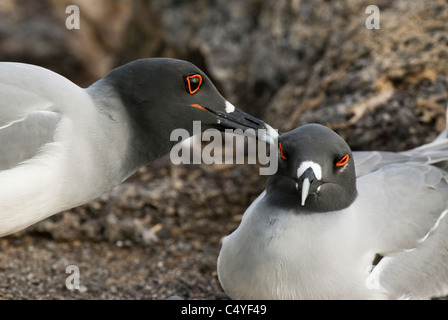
337	224
62	145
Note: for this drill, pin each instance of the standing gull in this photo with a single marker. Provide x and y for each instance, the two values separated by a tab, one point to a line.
62	145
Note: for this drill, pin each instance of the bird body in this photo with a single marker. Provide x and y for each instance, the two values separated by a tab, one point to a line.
43	175
62	145
381	235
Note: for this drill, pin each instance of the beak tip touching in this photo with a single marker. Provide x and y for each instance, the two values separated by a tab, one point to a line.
271	135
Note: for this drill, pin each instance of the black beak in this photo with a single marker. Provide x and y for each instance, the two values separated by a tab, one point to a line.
238	119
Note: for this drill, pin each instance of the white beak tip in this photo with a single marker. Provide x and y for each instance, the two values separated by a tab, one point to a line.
271	135
305	190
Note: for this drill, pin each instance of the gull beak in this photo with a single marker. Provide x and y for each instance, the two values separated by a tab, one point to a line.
305	190
234	118
270	136
307	184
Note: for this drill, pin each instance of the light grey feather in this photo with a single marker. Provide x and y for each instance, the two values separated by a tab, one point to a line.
22	140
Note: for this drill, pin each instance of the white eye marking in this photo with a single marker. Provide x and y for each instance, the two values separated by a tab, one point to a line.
229	107
317	169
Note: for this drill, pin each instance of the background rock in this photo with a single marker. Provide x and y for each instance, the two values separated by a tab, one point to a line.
289	62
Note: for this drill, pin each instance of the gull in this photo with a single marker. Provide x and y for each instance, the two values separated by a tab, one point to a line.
62	145
337	224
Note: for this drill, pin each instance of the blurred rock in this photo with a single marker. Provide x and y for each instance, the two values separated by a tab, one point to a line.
34	32
295	62
290	62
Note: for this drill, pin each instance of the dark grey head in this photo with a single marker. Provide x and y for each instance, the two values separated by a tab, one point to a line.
316	170
162	94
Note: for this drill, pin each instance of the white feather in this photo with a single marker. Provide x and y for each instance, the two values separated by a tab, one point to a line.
77	165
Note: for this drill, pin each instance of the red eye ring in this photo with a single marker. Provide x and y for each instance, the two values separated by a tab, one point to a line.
194	87
343	161
282	155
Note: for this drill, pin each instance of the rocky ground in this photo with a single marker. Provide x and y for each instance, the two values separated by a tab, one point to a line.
288	62
155	236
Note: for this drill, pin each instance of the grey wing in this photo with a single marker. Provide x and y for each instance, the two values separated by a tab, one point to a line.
31	101
24	89
22	140
434	153
404	220
421	273
369	161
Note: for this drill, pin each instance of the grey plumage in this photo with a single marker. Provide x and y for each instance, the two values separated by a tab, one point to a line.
62	145
36	130
390	242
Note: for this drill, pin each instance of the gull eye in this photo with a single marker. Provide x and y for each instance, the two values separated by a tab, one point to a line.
282	154
343	161
193	83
